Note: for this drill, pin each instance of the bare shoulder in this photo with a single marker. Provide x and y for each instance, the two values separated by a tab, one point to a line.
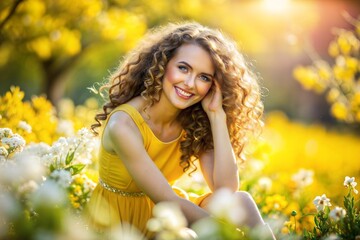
119	127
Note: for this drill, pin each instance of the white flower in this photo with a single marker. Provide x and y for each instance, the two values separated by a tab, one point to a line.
126	231
350	183
5	132
3	151
62	177
265	183
60	146
321	202
337	213
225	205
169	222
37	149
49	194
65	128
30	167
170	215
206	228
88	184
303	177
15	143
25	126
28	188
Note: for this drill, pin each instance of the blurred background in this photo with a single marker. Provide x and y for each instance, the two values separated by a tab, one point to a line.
61	48
305	52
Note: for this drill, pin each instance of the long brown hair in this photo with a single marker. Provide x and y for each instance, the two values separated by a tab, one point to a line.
142	71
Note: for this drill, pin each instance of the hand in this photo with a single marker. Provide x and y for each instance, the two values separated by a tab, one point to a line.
212	102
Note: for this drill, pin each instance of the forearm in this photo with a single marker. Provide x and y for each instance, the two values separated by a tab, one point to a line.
225	172
191	211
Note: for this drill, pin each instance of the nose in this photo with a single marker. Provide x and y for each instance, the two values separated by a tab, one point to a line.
190	81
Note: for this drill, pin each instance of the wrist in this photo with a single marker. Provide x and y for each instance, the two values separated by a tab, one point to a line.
215	116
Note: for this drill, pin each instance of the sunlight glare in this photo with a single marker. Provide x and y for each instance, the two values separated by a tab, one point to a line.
276	5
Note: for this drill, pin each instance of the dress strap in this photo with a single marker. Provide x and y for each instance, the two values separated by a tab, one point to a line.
121	192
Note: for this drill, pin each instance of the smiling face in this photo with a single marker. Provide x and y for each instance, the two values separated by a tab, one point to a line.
188	77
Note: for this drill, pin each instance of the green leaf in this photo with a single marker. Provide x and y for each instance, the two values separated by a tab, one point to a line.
52	168
69	157
75	169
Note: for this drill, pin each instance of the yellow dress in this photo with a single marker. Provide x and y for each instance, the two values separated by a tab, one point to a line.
116	198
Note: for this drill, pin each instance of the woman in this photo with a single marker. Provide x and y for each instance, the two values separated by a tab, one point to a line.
184	94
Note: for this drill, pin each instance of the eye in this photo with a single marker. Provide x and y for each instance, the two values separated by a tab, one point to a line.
183	68
205	78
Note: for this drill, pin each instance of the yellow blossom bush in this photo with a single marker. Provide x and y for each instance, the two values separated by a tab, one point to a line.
340	80
35	120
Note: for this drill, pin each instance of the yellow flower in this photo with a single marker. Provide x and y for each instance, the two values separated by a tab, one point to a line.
332	95
77	190
343	74
344	44
275	202
308	78
357	116
79	180
39	114
355	102
339	111
352	64
333	49
41	46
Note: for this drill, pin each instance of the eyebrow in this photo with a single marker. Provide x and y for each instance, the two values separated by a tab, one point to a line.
185	63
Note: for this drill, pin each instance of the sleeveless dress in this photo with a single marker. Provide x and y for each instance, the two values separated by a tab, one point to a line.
116	198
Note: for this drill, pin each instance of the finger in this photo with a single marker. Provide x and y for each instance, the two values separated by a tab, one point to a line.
217	85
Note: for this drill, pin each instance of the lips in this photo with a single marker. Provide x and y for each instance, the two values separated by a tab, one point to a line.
182	93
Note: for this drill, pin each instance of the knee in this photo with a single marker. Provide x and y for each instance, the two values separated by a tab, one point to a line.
244	196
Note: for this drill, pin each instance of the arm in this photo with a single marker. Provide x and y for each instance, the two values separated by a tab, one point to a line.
219	165
125	139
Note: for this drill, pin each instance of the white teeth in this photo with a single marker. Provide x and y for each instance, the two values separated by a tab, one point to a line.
186	94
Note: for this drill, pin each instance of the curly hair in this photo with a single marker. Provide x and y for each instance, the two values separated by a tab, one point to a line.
143	69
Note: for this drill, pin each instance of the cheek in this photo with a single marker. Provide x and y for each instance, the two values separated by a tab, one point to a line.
171	76
203	88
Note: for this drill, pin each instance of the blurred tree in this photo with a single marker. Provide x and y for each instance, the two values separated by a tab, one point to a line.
56	33
339	79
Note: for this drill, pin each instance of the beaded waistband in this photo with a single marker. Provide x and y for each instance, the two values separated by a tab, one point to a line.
121	192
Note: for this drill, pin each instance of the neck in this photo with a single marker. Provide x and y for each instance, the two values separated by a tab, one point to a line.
161	114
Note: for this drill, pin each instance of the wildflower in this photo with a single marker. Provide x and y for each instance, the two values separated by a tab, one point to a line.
337	213
65	128
225	205
62	177
126	231
49	194
333	49
332	95
37	149
170	216
303	177
275	202
25	126
27	188
169	222
5	132
265	183
322	202
29	167
15	143
3	151
350	183
339	110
